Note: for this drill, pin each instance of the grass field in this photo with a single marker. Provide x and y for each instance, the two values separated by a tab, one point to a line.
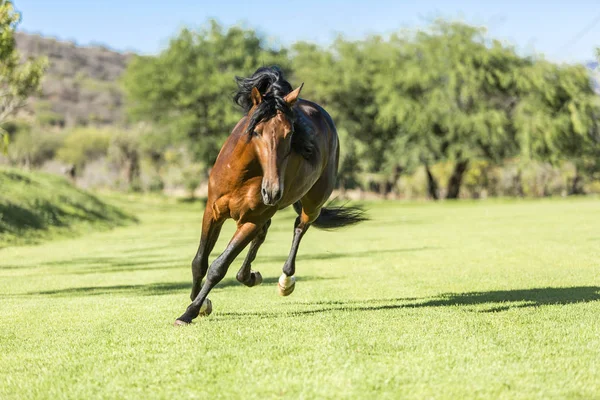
491	299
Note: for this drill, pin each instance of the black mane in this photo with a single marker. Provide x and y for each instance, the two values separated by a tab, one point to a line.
273	87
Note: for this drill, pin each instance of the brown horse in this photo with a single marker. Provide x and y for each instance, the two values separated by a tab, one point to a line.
283	152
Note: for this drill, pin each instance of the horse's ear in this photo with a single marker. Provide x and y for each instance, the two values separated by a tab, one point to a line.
291	97
256	97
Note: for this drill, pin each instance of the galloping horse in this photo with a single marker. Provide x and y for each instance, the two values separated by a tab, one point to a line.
283	152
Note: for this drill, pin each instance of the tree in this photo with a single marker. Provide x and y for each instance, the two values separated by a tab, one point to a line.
451	99
558	118
17	80
187	90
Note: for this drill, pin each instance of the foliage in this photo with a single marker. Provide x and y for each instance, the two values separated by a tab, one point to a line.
18	80
82	145
32	146
448	93
187	90
125	152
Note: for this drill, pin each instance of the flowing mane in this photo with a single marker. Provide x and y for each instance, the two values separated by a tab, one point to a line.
273	87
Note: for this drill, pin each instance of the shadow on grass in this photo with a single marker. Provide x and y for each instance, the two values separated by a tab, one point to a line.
501	300
152	289
102	264
338	255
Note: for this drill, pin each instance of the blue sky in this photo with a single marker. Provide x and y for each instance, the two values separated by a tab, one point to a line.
563	31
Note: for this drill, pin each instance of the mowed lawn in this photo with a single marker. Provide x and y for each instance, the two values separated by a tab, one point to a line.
489	299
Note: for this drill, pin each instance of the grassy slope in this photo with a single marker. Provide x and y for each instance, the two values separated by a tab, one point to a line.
467	300
36	206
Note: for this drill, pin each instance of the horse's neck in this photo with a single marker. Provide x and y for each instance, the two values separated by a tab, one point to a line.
244	157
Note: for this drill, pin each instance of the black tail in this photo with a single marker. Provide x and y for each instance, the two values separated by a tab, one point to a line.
334	217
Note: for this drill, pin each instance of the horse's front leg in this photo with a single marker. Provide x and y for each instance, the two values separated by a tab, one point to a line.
287	281
244	234
210	234
245	275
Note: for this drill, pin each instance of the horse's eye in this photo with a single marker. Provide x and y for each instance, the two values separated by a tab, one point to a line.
254	133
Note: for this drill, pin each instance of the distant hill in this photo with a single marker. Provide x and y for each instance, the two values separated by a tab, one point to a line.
80	86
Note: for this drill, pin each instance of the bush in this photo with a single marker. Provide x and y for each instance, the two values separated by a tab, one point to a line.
32	147
83	145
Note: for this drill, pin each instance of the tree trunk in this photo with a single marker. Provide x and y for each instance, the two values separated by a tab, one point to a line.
456	179
432	185
390	183
518	184
382	188
133	170
576	185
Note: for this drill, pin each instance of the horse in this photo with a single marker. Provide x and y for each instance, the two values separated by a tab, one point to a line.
284	151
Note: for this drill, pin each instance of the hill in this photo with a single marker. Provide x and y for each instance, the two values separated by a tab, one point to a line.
35	206
81	84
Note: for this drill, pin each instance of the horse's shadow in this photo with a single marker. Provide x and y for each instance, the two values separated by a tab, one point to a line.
152	289
500	300
490	301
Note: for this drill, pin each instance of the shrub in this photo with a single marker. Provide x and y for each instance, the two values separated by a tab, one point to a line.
83	145
32	147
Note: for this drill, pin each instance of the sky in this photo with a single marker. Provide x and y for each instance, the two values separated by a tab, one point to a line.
564	31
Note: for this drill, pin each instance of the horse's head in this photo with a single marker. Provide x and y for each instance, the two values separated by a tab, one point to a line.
270	132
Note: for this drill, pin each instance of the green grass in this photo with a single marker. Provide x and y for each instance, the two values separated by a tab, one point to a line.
491	299
35	206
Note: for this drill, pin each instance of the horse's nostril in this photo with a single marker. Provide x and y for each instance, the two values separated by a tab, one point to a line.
264	192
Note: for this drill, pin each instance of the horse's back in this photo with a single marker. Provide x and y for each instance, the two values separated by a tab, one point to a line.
324	125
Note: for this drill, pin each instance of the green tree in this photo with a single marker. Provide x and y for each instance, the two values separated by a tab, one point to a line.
187	90
558	116
17	80
449	93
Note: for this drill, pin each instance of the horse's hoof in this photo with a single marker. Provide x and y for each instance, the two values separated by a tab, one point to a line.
179	322
206	308
257	278
286	285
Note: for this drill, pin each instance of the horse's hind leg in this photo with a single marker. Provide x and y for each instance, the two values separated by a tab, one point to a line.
245	275
287	281
308	209
210	233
